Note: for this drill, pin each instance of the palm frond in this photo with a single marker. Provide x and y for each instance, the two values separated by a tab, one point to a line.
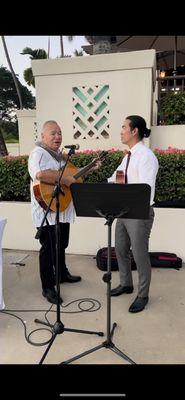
35	53
29	78
28	50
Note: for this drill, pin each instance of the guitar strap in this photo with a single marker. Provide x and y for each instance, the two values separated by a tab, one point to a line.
56	155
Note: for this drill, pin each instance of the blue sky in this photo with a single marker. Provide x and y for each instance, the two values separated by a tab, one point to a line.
16	44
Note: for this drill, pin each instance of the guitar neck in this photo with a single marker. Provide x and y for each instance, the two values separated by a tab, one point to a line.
85	169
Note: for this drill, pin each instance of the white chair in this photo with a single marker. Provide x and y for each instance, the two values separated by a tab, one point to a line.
2	225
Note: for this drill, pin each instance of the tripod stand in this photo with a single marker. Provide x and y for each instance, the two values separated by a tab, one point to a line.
58	327
101	199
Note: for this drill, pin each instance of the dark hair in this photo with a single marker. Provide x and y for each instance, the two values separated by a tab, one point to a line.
138	122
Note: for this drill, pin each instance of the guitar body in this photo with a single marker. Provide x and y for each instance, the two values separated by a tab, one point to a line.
120	178
43	191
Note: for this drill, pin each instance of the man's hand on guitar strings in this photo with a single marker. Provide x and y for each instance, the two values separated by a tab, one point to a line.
68	180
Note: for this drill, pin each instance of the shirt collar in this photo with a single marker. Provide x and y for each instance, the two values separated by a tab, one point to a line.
136	147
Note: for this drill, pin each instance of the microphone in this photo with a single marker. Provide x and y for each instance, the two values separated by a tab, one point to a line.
72	146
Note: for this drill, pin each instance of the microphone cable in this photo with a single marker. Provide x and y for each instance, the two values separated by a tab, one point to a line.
95	305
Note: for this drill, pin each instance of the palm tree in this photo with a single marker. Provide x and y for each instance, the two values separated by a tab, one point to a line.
48	45
101	44
70	38
12	72
61	46
36	54
3	148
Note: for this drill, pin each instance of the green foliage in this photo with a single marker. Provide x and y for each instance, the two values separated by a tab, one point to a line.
3	148
11	139
9	130
9	100
110	163
78	53
35	54
14	179
170	184
28	77
173	109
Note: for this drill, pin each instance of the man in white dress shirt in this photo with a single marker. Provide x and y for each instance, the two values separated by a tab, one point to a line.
44	164
140	165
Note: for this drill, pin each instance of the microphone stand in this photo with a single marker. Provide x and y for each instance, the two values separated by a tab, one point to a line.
58	326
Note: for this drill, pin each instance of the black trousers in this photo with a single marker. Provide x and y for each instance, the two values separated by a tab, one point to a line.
47	255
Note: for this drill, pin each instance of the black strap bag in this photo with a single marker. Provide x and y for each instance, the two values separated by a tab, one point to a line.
165	260
101	259
158	260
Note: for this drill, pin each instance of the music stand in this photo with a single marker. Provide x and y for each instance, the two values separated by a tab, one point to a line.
110	201
58	326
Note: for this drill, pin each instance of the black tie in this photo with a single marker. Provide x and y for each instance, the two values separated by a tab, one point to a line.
128	159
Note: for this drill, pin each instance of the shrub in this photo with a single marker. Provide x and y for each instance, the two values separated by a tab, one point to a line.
15	179
110	163
173	108
170	184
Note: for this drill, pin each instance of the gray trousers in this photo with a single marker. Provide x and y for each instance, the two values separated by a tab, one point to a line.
134	233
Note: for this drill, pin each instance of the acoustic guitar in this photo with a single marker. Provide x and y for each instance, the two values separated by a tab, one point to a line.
43	191
120	178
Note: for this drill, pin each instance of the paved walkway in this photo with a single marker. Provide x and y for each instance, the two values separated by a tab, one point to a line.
154	336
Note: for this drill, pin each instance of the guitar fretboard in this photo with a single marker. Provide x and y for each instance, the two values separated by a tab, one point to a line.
84	170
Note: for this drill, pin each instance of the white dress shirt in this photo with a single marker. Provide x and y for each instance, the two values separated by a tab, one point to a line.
142	168
40	160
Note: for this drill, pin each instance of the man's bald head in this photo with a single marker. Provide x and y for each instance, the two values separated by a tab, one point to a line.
48	124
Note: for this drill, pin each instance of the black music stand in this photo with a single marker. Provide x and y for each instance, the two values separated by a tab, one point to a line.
110	201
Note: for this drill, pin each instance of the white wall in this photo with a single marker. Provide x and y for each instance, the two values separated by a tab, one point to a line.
19	231
27	132
89	234
167	135
168	233
130	77
161	137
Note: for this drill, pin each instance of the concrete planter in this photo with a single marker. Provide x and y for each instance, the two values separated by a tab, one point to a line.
167	135
19	231
89	234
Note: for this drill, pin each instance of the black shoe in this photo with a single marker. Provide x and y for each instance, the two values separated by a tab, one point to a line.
120	290
138	304
51	295
70	278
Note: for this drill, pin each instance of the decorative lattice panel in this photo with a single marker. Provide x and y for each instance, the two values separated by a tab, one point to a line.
91	112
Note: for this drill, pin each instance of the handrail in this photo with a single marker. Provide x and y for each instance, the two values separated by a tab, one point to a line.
174	77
